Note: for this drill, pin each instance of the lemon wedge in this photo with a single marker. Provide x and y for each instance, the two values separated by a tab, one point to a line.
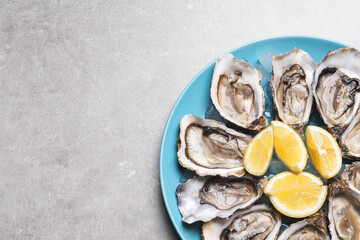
324	151
296	195
258	152
289	147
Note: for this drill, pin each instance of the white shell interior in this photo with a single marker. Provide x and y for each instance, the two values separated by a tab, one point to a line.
282	63
347	61
251	77
337	206
351	137
192	210
351	175
202	170
296	227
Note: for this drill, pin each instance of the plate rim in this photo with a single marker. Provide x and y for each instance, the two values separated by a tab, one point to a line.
257	41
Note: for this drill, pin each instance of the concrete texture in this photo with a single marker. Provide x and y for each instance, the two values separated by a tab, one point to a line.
86	89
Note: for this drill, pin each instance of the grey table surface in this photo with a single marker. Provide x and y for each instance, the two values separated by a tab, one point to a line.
87	87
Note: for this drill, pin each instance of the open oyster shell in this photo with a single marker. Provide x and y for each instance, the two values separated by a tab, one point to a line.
311	228
257	222
336	88
343	211
210	148
237	94
291	84
350	139
351	176
204	198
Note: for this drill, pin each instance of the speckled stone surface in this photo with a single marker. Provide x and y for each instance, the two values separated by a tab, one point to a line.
86	89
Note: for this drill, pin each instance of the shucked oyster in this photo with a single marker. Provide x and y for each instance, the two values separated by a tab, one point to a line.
291	83
336	88
351	176
210	148
312	228
343	211
204	198
258	222
350	139
237	94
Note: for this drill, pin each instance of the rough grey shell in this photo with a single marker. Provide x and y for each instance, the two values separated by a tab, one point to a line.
351	176
316	224
261	215
350	139
228	195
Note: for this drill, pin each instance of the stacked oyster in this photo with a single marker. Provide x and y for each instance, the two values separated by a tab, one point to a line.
224	195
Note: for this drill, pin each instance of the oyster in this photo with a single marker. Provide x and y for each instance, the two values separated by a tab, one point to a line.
351	176
350	139
257	222
343	211
311	228
336	88
291	84
210	148
237	94
204	198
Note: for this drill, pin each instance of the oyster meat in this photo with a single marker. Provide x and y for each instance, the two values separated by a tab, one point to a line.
204	198
311	228
237	94
343	211
257	222
291	84
351	176
336	88
210	148
350	139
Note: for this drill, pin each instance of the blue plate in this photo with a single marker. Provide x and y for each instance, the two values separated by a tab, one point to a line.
195	99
